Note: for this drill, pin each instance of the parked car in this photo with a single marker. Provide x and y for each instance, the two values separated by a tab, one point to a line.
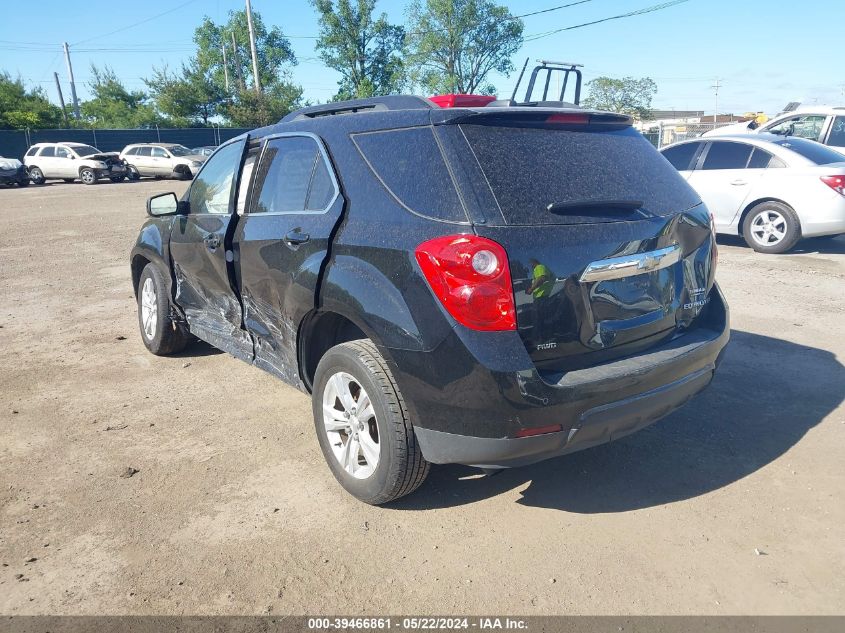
72	161
206	150
13	172
161	160
489	286
817	123
772	190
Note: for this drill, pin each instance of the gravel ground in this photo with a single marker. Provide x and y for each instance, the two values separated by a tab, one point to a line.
732	505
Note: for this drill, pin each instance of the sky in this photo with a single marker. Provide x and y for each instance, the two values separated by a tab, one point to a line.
764	54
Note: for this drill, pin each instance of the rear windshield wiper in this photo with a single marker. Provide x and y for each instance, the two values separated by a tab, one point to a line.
582	207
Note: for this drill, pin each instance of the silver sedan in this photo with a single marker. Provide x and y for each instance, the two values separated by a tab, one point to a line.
772	190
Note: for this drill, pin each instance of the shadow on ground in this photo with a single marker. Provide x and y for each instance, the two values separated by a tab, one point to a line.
829	245
766	395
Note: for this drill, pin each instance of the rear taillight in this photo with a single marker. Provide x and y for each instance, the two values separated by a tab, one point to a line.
837	183
714	248
471	278
462	100
568	118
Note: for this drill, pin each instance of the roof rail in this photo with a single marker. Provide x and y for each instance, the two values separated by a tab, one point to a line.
388	102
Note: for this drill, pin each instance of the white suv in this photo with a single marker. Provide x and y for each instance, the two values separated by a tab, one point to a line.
72	161
161	160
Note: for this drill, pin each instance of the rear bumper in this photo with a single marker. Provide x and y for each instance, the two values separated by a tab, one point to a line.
475	418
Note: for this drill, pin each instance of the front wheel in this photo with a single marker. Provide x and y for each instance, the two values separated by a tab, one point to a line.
23	183
160	333
87	176
363	426
36	175
132	173
771	227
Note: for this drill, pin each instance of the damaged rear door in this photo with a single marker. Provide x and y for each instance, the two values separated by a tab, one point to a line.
200	248
282	243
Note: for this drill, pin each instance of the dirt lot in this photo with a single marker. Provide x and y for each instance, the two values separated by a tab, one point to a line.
732	505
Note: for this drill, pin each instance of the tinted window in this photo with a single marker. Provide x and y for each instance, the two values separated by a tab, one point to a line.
725	155
212	188
410	164
837	132
812	151
85	150
132	152
322	188
32	151
681	155
179	150
292	177
530	168
759	159
145	151
158	152
48	151
62	152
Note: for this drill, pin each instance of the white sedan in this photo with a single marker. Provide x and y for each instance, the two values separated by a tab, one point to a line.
771	190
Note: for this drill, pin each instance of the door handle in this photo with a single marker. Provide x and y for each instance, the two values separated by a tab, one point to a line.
296	238
211	242
739	183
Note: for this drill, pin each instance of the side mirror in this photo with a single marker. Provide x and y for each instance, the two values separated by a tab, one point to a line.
162	204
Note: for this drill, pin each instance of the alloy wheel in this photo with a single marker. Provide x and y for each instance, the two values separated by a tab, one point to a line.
87	177
768	228
350	423
149	308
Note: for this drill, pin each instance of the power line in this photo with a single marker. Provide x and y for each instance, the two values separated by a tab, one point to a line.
652	9
130	26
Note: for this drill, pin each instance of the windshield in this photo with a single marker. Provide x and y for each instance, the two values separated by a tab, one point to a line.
179	150
84	150
589	173
812	151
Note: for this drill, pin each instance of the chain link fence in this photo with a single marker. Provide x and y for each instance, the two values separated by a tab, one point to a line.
662	133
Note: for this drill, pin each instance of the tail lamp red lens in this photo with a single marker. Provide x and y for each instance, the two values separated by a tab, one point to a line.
471	278
568	118
837	183
462	100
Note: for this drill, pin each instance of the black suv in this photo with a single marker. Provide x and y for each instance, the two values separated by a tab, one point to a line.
489	286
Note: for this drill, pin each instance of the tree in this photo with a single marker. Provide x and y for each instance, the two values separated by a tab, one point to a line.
21	108
113	106
626	95
455	44
273	49
366	52
189	98
248	109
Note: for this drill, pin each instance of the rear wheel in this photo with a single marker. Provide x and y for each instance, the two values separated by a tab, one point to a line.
87	176
771	227
36	175
363	426
158	331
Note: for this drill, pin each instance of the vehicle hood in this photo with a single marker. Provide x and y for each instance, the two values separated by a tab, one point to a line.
9	163
101	156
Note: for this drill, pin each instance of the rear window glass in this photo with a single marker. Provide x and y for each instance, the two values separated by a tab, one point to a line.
724	155
681	155
411	166
812	151
529	168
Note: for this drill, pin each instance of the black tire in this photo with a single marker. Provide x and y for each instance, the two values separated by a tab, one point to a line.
167	336
185	174
132	173
117	178
23	183
88	176
36	176
784	218
69	180
401	466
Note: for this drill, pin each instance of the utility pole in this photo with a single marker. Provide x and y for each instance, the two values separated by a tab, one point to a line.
225	66
252	47
61	98
716	87
72	83
237	60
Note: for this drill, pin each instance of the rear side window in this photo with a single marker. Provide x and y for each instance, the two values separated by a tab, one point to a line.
681	155
48	151
761	159
812	151
132	152
837	132
292	177
529	169
32	151
411	166
725	155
